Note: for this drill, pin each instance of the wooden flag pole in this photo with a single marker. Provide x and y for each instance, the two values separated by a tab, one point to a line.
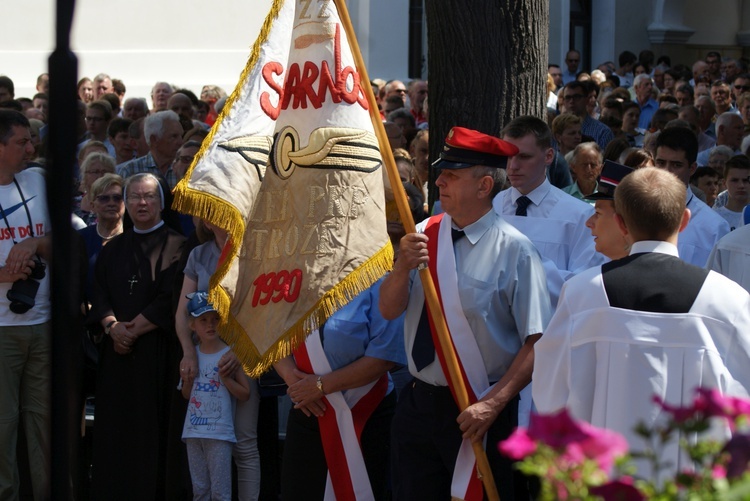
404	211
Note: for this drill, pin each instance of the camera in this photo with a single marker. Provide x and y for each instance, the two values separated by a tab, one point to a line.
23	292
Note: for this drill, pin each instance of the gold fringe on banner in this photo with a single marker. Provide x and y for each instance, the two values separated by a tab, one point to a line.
213	209
355	283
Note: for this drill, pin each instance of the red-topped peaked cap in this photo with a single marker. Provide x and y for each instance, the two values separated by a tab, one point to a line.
466	148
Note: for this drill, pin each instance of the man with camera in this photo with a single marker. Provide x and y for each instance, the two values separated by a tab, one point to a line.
25	344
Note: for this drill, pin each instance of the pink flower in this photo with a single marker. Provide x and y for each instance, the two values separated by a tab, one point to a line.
518	445
717	404
556	430
577	441
719	471
679	414
618	490
603	446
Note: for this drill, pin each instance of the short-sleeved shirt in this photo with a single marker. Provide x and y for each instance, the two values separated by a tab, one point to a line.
143	164
503	293
17	229
201	264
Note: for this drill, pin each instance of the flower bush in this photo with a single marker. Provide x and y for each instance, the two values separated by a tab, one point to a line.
577	461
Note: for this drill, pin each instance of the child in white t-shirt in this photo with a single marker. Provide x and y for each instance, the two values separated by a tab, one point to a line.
209	424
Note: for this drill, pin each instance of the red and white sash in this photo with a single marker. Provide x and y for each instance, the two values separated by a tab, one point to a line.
341	426
466	483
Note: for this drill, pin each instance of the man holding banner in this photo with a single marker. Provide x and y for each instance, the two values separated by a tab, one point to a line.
494	297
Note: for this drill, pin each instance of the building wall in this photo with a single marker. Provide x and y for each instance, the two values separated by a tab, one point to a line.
189	43
382	28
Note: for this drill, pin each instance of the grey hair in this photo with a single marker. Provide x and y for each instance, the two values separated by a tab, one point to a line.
140	100
640	78
499	177
592	146
154	124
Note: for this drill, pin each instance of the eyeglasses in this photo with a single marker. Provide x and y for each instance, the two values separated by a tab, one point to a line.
743	87
105	199
94	119
147	197
574	97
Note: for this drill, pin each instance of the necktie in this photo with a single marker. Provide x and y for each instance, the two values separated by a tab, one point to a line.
423	350
522	202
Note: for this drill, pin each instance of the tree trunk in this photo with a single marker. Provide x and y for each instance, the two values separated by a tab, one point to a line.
487	65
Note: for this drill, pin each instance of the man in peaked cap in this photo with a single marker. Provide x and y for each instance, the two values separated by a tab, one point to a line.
647	325
494	297
608	239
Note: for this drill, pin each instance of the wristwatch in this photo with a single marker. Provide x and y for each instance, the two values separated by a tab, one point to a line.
319	384
108	327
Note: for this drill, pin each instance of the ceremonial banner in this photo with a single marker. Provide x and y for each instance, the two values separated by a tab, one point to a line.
292	170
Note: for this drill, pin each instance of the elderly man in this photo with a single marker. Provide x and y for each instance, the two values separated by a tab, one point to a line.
183	106
135	108
707	112
163	134
160	94
495	302
102	85
648	325
729	131
25	343
643	86
700	73
395	88
572	63
676	151
721	96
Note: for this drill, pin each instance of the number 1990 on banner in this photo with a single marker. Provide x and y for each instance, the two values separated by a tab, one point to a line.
274	287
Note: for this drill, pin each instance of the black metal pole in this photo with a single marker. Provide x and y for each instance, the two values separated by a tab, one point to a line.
66	329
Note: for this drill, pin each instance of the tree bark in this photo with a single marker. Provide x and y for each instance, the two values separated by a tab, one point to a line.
487	65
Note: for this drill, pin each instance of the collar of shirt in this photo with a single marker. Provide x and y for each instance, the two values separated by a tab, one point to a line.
689	196
576	191
651	103
654	246
536	195
478	228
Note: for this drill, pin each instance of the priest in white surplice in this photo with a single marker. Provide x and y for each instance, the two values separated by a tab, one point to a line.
643	326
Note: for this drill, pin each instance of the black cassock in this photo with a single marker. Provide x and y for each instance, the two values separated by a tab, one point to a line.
134	275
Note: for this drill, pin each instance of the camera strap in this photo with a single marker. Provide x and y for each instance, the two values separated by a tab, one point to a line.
28	213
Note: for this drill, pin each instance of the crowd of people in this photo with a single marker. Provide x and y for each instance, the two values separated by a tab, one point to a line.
579	245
